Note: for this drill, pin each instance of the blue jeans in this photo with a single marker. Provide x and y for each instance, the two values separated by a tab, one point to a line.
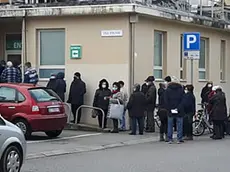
179	122
122	122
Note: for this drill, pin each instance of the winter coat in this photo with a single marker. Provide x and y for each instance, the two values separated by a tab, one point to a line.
137	104
161	102
219	107
117	95
189	103
31	76
2	69
204	94
52	84
60	86
173	98
151	96
124	95
11	75
101	99
77	92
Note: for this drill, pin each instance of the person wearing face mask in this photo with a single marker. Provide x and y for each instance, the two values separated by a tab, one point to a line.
189	105
205	92
76	96
151	96
136	107
101	100
116	94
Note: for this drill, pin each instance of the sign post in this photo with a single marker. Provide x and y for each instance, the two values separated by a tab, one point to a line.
191	48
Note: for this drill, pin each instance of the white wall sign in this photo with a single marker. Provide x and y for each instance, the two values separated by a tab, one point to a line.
111	33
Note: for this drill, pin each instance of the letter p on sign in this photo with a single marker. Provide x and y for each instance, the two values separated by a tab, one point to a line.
191	39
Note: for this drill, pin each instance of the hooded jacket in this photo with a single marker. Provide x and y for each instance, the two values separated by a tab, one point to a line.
204	93
31	76
52	83
101	97
137	103
173	98
60	85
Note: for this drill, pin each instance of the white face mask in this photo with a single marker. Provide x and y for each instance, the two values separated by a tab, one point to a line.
209	85
186	91
103	85
114	88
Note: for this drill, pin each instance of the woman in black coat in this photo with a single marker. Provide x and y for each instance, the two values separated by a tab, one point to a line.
101	100
60	86
218	113
136	107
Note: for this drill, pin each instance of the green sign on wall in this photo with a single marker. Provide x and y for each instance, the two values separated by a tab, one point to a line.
14	45
75	51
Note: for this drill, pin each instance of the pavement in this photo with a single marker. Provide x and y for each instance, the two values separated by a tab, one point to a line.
71	142
200	155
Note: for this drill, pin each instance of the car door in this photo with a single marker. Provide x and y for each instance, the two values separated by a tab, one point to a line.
8	103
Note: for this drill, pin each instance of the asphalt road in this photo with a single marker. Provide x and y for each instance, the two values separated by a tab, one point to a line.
201	155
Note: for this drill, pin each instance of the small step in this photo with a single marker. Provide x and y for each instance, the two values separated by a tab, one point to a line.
85	127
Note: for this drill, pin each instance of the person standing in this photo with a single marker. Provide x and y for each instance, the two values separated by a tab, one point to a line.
52	82
116	94
151	104
125	100
206	90
11	74
2	66
162	112
101	100
189	105
60	85
76	96
30	74
218	113
136	107
173	103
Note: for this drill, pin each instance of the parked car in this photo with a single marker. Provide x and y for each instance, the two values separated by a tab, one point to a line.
32	108
12	147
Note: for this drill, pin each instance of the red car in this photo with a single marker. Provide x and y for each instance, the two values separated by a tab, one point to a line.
32	108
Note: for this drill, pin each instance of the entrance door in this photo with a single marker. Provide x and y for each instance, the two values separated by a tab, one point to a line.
14	58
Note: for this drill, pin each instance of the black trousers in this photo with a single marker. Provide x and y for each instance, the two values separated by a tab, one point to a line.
100	118
140	121
163	114
150	126
187	125
115	125
74	108
218	129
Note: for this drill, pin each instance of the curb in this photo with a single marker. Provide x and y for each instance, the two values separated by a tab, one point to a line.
81	149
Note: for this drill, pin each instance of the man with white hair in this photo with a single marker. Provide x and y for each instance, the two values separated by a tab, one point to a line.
11	74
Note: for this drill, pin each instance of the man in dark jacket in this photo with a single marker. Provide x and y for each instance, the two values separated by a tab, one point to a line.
101	100
173	103
136	107
2	66
218	113
151	96
189	105
60	86
76	96
11	74
205	92
30	74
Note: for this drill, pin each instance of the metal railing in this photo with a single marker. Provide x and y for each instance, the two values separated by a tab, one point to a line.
93	108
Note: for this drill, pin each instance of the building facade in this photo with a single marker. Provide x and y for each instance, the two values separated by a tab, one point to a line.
116	41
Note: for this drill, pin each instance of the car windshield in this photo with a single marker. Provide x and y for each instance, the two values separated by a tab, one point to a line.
43	95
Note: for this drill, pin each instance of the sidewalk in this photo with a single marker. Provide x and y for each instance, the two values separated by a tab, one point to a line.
93	142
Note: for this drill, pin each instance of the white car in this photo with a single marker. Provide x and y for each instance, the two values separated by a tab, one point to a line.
12	147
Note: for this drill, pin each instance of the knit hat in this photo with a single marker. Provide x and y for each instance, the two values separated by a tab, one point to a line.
168	79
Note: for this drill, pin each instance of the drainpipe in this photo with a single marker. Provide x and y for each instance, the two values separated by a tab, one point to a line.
23	54
133	19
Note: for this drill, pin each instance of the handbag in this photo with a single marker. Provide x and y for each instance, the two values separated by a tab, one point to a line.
115	110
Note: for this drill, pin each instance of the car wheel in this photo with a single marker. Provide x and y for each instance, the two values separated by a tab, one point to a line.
53	134
11	160
24	126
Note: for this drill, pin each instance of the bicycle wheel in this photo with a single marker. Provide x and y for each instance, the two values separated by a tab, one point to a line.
198	128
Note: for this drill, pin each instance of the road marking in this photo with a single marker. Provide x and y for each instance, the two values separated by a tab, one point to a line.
64	138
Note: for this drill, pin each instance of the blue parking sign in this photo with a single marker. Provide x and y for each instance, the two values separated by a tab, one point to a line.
191	41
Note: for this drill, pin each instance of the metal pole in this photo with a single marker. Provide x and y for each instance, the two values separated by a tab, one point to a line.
212	9
23	48
201	8
192	71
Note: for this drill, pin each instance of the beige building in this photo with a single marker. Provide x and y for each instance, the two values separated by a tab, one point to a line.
118	42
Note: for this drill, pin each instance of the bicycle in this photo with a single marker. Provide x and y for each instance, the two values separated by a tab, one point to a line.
201	122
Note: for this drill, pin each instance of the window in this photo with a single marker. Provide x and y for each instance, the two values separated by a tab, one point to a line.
2	122
51	52
7	94
158	54
43	95
203	59
222	60
182	61
21	98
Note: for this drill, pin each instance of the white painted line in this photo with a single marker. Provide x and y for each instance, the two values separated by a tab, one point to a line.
64	138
